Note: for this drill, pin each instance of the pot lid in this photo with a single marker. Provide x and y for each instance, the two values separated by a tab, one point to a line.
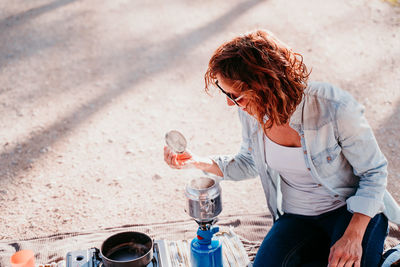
176	141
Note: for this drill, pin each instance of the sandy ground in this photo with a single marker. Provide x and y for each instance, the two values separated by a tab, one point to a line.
89	88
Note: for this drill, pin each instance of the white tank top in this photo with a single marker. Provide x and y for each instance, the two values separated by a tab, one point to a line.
301	194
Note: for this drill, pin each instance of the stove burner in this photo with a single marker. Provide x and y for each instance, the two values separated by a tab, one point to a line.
206	225
91	258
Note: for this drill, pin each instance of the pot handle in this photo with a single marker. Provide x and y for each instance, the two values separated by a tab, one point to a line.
96	256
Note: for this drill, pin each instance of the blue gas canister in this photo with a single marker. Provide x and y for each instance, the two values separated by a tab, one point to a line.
205	249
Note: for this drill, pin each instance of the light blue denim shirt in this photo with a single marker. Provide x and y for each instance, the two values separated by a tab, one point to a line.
340	151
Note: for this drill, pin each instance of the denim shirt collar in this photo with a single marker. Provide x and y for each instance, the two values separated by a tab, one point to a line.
295	120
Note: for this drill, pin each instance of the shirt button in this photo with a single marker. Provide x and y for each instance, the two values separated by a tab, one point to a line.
305	151
328	158
319	185
336	195
308	169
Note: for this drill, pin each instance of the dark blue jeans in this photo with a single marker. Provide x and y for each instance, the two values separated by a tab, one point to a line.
296	240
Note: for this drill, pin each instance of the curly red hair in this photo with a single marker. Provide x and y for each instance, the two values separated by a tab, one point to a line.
268	73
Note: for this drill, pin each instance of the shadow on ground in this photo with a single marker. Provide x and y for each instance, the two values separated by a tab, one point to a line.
20	157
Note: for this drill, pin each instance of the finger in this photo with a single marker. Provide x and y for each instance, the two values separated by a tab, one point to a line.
188	152
166	150
183	157
165	154
357	263
170	157
349	263
167	158
342	262
175	161
333	259
331	256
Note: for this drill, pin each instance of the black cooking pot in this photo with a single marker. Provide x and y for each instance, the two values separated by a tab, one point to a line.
127	249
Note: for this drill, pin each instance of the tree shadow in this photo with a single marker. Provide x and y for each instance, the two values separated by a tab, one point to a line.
13	36
25	16
18	158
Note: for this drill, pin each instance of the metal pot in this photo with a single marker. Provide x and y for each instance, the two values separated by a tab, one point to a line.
203	199
127	249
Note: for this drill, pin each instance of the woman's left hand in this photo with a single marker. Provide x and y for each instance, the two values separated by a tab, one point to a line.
347	252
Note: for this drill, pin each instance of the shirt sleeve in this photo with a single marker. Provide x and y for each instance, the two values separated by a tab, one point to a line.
240	166
361	149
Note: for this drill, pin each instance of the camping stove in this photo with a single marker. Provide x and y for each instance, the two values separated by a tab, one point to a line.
204	205
91	257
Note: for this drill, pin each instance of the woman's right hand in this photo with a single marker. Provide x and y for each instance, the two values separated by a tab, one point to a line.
178	161
189	160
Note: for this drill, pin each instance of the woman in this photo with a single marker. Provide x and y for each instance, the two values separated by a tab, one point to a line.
323	174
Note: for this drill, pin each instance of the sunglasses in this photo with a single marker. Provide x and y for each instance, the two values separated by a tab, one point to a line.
229	95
